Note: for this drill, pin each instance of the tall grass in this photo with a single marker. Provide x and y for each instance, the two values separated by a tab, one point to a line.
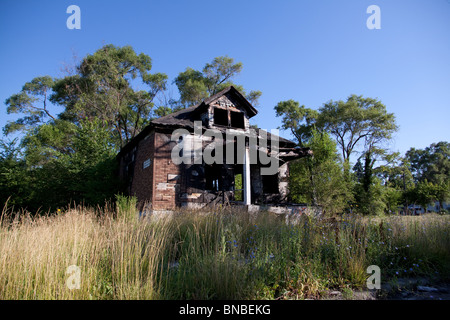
211	255
117	258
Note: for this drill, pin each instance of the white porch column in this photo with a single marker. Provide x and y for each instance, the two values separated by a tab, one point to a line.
246	176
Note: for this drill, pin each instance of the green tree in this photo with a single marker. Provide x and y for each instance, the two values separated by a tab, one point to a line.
70	156
393	198
394	171
319	180
424	193
15	179
372	200
195	86
298	119
103	87
32	102
48	142
442	193
356	121
84	175
431	163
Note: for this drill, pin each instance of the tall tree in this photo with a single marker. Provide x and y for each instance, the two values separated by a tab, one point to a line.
431	163
394	171
32	102
356	121
195	86
319	180
103	87
70	156
298	119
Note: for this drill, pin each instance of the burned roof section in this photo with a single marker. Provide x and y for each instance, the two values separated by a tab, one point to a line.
185	118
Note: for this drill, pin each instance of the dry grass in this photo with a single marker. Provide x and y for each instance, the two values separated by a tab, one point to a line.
198	255
118	258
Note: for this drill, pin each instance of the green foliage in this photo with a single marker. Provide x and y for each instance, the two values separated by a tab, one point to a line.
425	192
357	120
421	176
126	207
15	179
371	200
430	168
103	89
32	102
195	86
319	180
292	117
394	171
48	142
393	198
431	163
71	156
53	175
238	185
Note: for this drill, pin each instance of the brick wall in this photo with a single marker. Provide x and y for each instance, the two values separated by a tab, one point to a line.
156	182
166	182
141	185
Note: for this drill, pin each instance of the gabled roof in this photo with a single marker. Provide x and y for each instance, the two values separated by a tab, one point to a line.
185	118
242	101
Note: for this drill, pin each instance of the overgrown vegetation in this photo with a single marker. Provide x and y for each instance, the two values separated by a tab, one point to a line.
380	182
66	157
69	129
211	255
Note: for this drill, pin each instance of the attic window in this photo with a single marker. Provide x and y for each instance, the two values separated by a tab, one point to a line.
237	120
228	118
220	117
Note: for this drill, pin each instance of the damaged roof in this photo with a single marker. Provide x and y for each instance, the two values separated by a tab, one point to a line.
185	118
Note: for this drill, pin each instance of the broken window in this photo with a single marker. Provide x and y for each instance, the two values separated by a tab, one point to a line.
220	117
237	120
228	118
270	183
212	175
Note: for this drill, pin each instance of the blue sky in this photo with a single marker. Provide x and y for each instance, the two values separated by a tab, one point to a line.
309	51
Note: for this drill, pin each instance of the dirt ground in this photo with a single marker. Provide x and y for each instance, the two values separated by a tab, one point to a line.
400	289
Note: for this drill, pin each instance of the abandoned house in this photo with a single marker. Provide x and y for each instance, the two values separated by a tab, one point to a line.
161	182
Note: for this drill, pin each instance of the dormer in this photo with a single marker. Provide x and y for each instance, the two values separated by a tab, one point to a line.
227	109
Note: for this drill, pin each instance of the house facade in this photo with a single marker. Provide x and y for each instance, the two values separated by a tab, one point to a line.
208	154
